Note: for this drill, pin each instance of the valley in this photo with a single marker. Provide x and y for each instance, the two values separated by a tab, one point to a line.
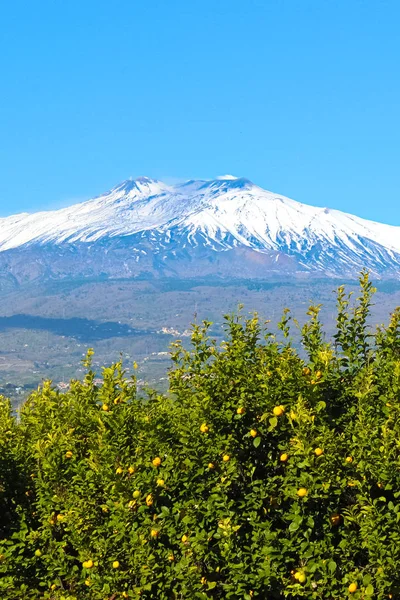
45	329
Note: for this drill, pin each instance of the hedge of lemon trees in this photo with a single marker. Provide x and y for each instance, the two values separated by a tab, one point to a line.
265	473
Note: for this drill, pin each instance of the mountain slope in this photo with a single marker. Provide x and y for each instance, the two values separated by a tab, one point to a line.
219	225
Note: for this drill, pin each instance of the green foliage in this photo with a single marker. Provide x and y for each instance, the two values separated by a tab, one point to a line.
265	473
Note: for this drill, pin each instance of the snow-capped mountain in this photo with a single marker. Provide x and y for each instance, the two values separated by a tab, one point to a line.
226	226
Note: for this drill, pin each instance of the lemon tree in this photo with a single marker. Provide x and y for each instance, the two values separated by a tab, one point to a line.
266	471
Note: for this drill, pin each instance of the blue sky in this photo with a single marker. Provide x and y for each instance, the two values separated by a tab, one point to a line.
300	96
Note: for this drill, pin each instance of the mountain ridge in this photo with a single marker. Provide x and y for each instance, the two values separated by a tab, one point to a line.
173	229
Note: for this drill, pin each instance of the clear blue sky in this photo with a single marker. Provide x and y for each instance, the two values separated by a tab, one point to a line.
300	96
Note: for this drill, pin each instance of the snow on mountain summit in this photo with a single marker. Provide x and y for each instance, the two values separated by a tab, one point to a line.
225	213
140	186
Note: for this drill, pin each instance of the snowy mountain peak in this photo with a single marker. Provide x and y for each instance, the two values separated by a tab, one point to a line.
141	186
217	186
230	183
210	217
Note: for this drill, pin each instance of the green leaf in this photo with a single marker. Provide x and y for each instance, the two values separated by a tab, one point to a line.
273	422
256	442
332	567
369	590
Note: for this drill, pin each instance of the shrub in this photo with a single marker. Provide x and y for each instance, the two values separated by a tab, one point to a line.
266	472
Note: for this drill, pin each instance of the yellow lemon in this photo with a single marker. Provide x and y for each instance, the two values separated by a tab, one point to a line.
136	494
119	470
154	533
302	492
211	466
60	517
38	552
318	375
149	499
241	410
105	407
253	433
283	457
278	411
318	451
171	558
204	428
88	582
203	581
353	588
115	564
184	538
306	371
349	459
68	454
225	457
156	461
160	482
88	564
301	578
131	470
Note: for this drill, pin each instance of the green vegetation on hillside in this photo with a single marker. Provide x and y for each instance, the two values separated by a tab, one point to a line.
264	473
